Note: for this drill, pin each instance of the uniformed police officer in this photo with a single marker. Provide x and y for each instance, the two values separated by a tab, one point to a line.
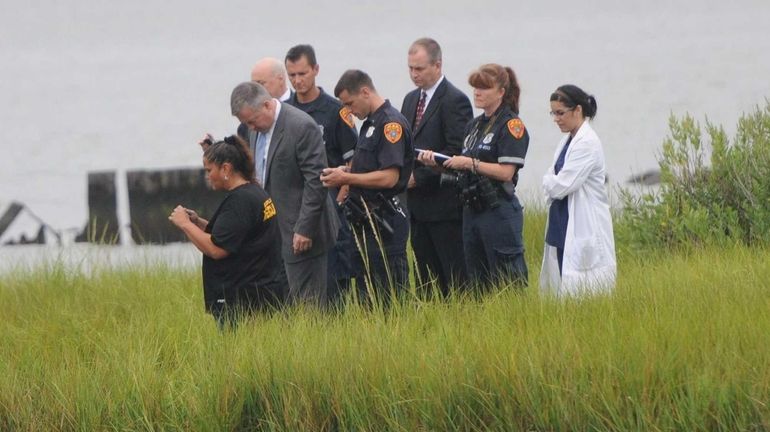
486	175
379	172
339	134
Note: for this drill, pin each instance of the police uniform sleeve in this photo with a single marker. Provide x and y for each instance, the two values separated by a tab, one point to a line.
345	134
233	224
392	145
514	140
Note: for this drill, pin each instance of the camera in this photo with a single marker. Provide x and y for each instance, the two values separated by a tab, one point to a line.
488	192
475	191
450	178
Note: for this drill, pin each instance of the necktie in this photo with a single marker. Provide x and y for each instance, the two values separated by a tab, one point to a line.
260	158
420	109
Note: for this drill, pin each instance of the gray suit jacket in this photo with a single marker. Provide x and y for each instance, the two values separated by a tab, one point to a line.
295	159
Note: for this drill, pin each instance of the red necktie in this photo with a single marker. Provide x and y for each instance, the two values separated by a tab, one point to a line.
420	109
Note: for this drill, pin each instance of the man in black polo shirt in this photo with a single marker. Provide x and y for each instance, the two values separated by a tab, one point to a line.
339	134
379	172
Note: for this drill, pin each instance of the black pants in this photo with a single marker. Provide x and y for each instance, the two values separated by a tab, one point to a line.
341	267
438	249
265	298
382	259
494	247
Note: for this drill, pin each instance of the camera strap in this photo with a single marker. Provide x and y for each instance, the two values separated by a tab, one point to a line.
505	189
472	143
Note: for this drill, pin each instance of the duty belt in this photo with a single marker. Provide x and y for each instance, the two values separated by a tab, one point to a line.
361	213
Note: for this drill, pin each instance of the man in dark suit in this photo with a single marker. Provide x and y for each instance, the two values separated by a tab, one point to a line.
438	113
289	156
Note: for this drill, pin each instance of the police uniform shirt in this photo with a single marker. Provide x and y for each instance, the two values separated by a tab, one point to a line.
501	138
385	141
245	226
336	123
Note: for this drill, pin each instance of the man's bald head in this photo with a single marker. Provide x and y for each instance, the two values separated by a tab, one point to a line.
271	73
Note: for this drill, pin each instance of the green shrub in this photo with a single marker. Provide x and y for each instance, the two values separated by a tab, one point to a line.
711	192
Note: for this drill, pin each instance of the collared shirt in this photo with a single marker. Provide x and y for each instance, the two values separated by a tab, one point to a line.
286	95
429	92
269	136
385	141
336	124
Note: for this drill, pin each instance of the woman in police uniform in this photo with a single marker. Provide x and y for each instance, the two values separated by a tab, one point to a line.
493	152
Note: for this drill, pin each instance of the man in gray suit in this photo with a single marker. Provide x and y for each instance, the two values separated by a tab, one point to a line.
289	156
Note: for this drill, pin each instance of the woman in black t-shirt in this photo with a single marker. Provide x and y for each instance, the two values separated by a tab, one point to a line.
241	245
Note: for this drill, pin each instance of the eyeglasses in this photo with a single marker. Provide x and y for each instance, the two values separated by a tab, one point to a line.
560	113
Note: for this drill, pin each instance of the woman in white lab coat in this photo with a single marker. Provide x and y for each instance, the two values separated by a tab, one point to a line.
579	254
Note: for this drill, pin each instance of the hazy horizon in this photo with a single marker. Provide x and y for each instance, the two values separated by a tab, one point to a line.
95	86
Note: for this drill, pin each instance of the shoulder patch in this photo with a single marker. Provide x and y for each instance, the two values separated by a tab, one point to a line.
268	210
393	132
516	128
347	116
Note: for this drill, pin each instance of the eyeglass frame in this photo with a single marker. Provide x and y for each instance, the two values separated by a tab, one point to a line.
561	114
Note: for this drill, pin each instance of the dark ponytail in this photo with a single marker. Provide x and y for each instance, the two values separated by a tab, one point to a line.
512	91
234	151
572	96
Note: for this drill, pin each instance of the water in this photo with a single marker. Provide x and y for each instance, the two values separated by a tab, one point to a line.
92	85
84	258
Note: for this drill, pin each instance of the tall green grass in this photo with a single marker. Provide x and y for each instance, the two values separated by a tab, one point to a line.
683	344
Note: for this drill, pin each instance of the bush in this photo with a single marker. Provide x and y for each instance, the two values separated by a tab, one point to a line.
711	191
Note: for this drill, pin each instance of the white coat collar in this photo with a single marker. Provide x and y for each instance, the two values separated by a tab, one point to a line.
585	129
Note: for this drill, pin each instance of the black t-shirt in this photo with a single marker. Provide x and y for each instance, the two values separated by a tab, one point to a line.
385	141
252	275
501	138
336	123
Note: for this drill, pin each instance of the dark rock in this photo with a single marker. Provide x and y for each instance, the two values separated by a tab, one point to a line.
647	178
153	194
20	226
102	226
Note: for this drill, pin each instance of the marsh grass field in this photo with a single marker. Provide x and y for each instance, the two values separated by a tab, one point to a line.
683	344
